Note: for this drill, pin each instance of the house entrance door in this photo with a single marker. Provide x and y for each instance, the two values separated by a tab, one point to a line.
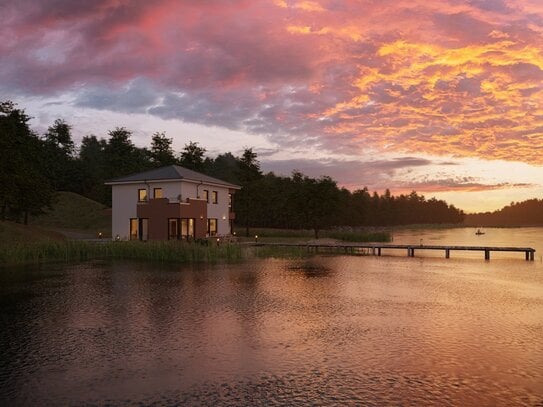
173	229
143	226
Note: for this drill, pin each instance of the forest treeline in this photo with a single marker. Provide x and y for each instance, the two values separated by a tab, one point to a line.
34	166
524	213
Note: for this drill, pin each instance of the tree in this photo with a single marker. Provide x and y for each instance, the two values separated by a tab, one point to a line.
122	157
246	199
61	167
249	167
60	136
92	165
161	150
224	166
316	201
24	189
192	156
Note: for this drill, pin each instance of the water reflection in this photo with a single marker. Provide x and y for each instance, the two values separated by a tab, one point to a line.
311	269
328	330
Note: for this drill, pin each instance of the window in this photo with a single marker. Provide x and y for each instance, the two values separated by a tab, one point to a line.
134	228
173	229
206	195
142	195
180	228
187	228
214	197
139	228
212	227
144	228
157	193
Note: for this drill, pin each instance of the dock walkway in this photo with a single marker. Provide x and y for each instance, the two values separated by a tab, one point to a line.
377	248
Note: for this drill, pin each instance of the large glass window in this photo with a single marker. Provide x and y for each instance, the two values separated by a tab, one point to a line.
144	228
180	228
214	197
173	229
139	229
142	195
157	193
206	195
134	226
212	227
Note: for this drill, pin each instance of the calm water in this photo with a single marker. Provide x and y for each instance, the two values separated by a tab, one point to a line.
326	331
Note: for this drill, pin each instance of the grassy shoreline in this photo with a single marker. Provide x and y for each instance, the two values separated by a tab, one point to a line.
21	245
47	251
79	250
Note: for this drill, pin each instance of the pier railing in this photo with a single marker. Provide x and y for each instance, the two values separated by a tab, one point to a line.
377	248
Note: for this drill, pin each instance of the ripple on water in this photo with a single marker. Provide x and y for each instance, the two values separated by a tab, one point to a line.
328	331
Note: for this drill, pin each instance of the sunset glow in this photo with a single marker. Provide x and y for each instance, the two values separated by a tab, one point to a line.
445	98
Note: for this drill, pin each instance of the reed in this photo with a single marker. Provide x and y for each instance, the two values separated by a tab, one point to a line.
359	236
270	234
282	252
70	251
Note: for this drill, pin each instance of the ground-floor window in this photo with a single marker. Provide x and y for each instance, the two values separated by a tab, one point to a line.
134	229
139	229
212	226
180	228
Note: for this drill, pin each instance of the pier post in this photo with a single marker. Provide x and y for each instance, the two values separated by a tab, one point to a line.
487	254
527	255
378	251
447	253
532	255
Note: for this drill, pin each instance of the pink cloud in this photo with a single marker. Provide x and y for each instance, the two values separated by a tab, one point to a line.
460	78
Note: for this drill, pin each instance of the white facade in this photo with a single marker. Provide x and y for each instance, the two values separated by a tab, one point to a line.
125	200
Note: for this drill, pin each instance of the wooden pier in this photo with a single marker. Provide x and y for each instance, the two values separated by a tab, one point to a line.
377	248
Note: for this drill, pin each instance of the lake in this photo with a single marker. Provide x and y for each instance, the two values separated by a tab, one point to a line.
329	330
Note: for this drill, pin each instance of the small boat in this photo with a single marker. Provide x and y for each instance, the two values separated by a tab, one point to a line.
479	232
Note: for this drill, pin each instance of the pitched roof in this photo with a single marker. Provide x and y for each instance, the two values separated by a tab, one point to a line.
171	172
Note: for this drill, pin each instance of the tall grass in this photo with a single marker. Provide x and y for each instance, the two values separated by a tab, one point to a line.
163	251
283	252
271	232
345	235
69	251
354	236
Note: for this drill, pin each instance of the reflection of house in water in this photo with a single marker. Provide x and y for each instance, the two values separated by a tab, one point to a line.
171	203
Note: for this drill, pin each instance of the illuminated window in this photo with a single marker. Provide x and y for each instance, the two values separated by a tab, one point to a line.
142	195
214	197
181	228
212	227
134	229
157	193
139	229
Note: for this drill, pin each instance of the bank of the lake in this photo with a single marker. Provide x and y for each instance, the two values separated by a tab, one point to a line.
202	251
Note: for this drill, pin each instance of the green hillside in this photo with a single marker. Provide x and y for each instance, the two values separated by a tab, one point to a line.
73	212
14	233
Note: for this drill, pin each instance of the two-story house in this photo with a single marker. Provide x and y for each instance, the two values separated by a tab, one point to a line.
171	203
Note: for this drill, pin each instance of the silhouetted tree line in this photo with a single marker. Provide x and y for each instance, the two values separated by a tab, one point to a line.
34	166
525	213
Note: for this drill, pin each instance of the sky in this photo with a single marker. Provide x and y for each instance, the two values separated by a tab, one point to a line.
441	97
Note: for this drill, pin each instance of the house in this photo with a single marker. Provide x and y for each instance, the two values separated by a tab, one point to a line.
171	203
